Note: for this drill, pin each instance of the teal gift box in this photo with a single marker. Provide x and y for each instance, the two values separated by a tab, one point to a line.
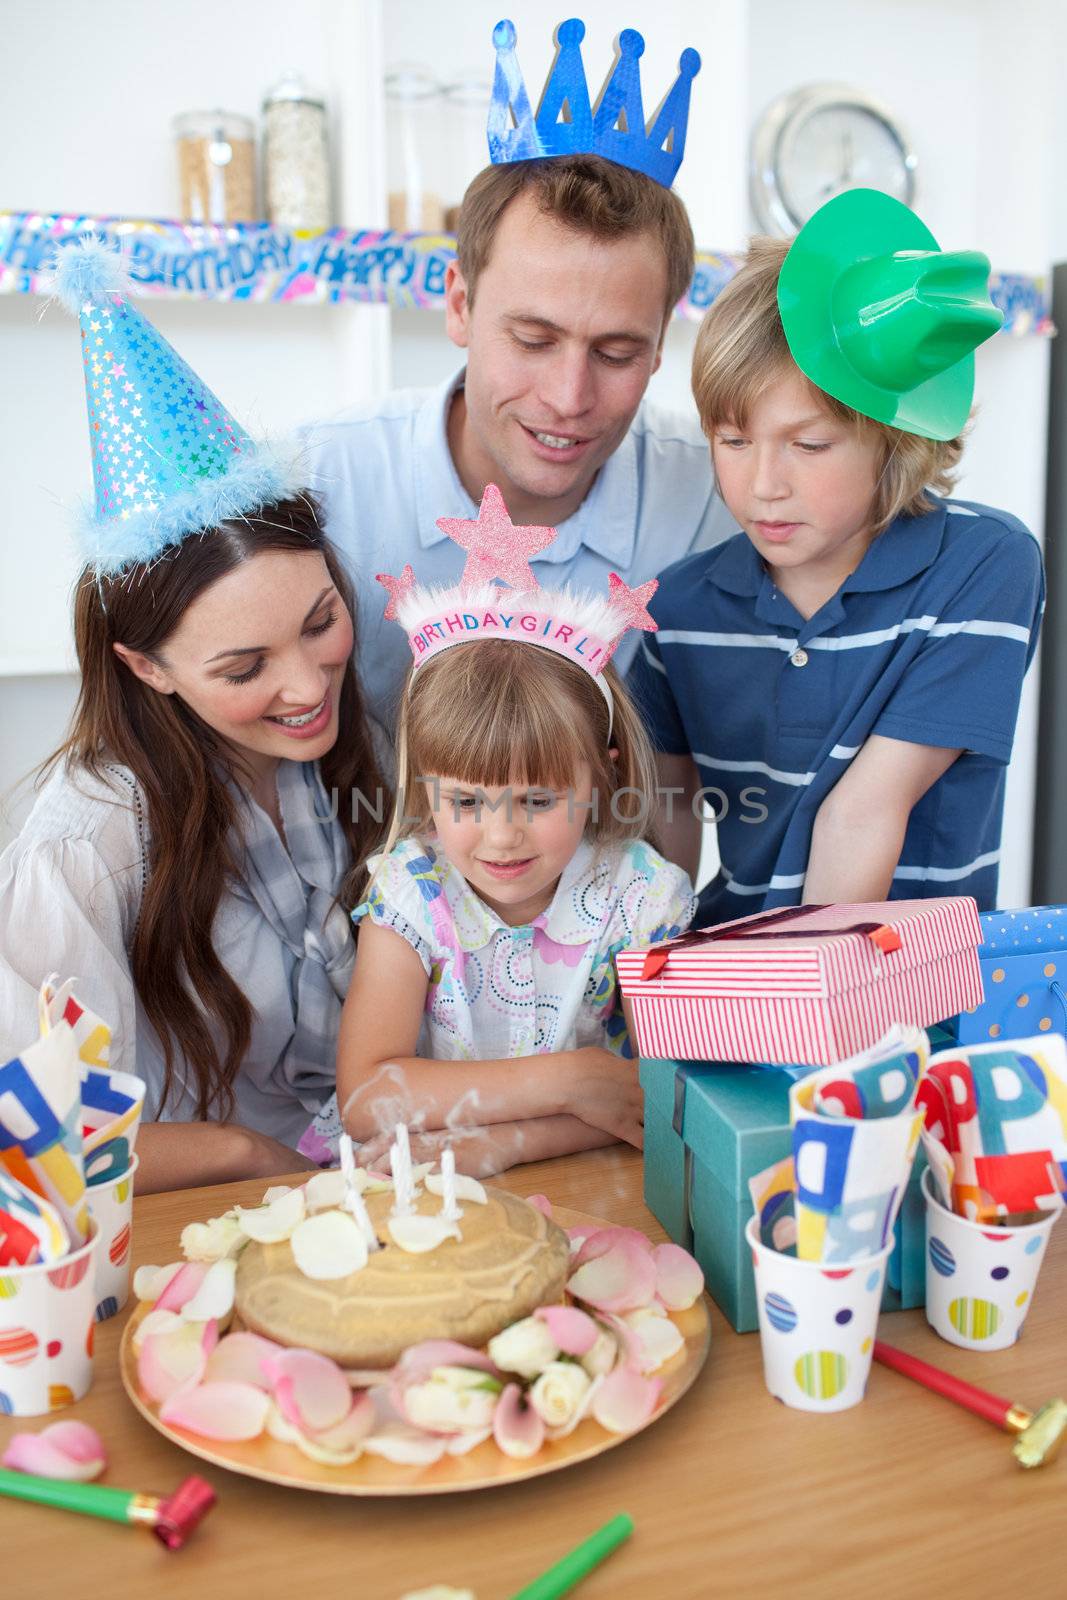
1023	957
708	1130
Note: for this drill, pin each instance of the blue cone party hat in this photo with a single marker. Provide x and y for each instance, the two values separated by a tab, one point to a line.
168	458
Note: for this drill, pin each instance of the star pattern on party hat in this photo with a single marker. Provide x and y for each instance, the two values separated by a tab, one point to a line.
496	547
399	589
168	459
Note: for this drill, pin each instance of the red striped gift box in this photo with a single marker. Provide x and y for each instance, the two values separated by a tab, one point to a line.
812	984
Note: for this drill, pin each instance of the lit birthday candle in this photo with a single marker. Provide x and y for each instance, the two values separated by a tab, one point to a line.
449	1208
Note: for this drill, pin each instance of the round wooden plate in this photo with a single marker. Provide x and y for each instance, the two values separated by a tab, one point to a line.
482	1468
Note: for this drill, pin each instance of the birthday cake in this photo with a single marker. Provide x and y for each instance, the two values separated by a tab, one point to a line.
504	1259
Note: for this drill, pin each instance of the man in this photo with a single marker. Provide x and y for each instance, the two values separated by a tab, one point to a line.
567	272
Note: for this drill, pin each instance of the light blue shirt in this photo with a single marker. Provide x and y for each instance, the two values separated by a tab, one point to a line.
385	474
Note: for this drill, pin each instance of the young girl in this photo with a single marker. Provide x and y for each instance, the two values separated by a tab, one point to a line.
515	871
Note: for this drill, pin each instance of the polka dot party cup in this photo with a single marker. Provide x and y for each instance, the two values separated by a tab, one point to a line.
980	1279
46	1333
817	1325
111	1203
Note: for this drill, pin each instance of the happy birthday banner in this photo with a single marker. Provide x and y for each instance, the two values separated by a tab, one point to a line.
257	261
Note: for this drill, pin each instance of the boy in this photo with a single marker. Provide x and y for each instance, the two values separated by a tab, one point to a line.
843	676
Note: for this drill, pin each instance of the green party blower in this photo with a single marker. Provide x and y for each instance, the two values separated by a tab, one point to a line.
171	1517
579	1563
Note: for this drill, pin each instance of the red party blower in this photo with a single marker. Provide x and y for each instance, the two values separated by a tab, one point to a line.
1038	1433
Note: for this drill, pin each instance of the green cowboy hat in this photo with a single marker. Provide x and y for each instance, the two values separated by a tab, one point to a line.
878	316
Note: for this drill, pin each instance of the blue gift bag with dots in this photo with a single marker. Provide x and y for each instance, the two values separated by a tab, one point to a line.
1023	956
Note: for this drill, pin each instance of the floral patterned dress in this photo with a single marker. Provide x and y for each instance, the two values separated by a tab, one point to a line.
497	991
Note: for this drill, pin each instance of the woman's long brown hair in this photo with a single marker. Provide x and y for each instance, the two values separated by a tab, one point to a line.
179	764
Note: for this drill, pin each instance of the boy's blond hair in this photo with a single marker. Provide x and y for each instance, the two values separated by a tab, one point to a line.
741	350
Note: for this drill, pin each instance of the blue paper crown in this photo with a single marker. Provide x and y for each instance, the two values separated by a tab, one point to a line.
568	124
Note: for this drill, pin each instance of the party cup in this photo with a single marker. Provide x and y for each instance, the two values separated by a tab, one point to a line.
980	1279
111	1204
46	1332
817	1325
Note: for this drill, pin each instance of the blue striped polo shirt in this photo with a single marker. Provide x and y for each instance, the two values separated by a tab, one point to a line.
927	641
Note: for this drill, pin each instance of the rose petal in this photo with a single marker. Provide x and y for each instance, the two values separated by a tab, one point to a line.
69	1450
271	1224
573	1330
215	1296
601	1240
630	1352
621	1280
334	1447
329	1245
460	1444
579	1235
175	1359
679	1280
150	1282
404	1445
419	1360
310	1390
625	1400
466	1188
540	1202
239	1359
658	1336
326	1190
517	1428
181	1286
353	1428
417	1234
218	1410
155	1321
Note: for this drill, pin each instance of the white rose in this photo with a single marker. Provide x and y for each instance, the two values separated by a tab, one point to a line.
526	1348
600	1360
453	1400
558	1393
212	1241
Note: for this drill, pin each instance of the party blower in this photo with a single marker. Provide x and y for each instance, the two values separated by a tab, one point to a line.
1038	1433
172	1517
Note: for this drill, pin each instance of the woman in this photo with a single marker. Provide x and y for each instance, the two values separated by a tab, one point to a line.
184	857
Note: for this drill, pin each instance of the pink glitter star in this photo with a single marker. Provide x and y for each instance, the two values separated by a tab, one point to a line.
630	604
399	589
495	547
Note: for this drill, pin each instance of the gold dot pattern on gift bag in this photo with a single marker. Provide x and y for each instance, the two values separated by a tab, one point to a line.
994	1032
998	974
1023	1000
1045	1024
1050	969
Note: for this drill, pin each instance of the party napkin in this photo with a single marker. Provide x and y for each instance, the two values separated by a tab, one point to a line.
112	1102
31	1230
855	1128
995	1130
40	1125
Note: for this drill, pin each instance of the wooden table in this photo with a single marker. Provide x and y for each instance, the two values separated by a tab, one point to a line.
732	1494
